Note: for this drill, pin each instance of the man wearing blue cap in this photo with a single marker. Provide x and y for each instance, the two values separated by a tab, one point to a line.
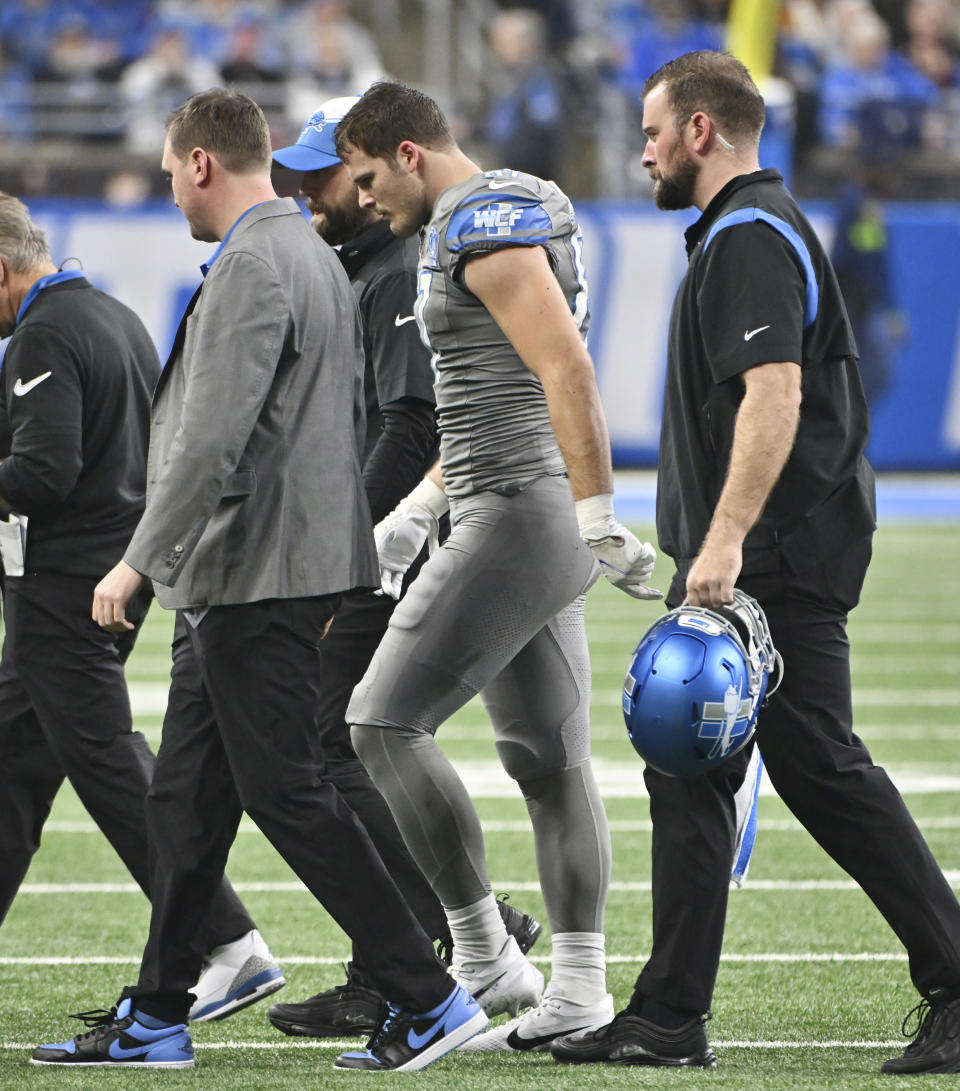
400	445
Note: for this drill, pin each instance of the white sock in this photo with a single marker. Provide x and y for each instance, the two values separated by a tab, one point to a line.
477	931
579	967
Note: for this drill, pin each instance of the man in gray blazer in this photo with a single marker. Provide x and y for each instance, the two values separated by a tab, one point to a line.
255	523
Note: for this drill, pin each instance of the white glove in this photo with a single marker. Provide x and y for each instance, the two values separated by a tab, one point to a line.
623	558
401	534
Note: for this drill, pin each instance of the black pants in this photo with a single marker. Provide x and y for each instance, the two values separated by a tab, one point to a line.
65	712
347	650
240	734
824	774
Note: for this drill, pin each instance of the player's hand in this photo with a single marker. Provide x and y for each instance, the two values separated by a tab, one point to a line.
400	536
625	561
111	595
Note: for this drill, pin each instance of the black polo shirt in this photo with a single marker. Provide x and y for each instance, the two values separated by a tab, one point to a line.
760	289
77	379
383	271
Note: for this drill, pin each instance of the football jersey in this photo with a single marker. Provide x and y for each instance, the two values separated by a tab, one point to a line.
495	430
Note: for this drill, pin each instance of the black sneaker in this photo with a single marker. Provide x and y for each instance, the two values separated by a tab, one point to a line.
936	1039
630	1039
407	1042
356	1009
524	928
352	1009
119	1039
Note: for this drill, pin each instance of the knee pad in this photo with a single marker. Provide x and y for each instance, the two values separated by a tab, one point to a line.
531	760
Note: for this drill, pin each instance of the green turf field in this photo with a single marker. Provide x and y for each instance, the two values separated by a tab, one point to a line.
812	987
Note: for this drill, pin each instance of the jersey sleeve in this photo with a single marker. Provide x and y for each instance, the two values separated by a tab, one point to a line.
753	299
503	213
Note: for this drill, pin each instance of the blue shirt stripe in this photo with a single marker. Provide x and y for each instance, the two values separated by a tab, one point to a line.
45	282
751	215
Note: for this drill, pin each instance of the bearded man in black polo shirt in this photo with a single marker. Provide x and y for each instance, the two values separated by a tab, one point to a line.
763	485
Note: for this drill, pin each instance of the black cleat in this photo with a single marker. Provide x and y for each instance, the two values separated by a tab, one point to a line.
524	929
936	1040
351	1009
630	1039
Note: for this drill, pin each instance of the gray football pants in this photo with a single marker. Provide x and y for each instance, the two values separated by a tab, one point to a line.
497	610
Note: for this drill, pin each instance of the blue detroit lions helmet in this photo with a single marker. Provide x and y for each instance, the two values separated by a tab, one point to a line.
696	684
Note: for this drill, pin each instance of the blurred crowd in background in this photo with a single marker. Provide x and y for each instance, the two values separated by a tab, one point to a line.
548	86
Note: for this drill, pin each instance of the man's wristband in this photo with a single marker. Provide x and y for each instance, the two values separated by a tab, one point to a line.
594	510
429	496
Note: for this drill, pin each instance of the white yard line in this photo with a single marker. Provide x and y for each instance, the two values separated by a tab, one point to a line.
486	779
150	698
331	960
771	825
351	1043
789	886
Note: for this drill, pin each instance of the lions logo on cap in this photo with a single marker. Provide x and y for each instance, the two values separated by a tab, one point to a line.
317	123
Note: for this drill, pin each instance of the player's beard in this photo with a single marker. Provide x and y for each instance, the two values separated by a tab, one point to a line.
676	192
339	225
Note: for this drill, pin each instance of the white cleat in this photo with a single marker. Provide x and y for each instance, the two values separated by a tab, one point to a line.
536	1029
234	976
505	984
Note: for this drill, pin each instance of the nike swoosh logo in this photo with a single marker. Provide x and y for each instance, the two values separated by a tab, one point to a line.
416	1041
20	387
514	1041
747	334
118	1053
494	184
398	321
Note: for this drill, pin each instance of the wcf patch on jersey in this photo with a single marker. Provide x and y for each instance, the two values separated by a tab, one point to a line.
497	219
522	221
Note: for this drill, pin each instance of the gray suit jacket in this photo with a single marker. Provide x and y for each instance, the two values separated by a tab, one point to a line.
254	488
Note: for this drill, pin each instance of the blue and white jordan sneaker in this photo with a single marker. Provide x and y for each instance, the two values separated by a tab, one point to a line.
405	1042
119	1038
234	976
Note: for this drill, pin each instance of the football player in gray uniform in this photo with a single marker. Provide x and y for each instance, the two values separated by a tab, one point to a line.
400	443
497	610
